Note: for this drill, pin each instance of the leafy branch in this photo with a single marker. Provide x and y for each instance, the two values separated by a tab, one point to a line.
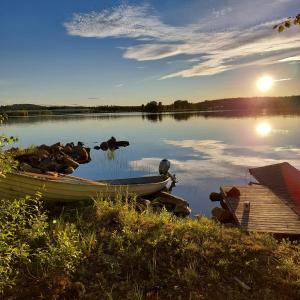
287	23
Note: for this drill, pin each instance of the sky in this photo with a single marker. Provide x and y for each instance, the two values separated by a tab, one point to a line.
100	52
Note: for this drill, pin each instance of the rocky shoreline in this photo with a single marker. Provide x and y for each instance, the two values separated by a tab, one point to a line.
164	200
55	158
64	159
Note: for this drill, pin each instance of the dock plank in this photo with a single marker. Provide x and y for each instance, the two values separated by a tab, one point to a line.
258	208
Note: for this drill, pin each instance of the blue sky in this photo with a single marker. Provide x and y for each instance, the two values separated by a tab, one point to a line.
93	52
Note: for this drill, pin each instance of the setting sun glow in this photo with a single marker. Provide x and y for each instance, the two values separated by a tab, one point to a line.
263	129
264	83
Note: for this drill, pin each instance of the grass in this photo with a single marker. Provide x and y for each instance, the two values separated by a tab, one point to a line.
110	251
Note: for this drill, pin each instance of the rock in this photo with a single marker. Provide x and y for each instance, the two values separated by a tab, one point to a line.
68	149
56	148
54	158
182	210
217	212
88	150
41	153
68	170
215	196
45	147
70	162
104	146
156	206
28	168
222	215
59	144
34	161
70	145
111	143
167	198
172	203
80	154
122	143
49	165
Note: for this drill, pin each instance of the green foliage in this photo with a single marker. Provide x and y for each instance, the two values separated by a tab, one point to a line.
135	256
31	246
21	224
287	23
153	107
181	104
114	252
7	163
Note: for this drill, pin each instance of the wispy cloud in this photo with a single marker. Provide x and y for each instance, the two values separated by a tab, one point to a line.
226	48
219	160
283	79
94	98
291	58
119	85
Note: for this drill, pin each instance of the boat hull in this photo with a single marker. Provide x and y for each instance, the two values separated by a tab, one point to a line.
68	188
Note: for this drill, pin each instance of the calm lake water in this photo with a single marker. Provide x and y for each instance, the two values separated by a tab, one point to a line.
205	152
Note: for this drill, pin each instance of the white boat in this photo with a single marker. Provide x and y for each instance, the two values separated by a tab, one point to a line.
65	188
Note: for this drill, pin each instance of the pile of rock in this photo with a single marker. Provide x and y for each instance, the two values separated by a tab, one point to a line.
222	214
171	203
56	158
111	144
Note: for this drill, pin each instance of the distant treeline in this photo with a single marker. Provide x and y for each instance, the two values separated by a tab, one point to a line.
233	104
250	104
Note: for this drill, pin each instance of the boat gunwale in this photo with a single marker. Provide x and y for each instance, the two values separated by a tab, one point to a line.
60	191
87	182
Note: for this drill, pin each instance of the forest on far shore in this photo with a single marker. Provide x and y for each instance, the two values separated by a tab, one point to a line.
251	104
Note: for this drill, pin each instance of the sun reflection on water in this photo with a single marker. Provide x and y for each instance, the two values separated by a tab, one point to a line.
263	129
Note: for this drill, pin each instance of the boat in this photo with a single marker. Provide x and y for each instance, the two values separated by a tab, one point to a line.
66	188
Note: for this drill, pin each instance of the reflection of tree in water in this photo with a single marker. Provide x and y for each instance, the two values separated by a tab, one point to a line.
153	117
182	116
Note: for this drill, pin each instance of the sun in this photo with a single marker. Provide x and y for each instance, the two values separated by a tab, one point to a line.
264	83
263	129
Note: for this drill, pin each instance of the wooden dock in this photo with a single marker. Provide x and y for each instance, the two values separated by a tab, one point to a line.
258	208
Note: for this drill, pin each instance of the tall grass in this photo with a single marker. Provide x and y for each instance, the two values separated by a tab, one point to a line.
110	251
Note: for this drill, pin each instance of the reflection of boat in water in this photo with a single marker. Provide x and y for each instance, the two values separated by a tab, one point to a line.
70	188
60	187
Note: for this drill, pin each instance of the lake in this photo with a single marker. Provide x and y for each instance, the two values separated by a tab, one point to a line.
205	151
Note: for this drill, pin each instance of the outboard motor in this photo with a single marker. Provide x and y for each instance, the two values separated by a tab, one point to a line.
164	167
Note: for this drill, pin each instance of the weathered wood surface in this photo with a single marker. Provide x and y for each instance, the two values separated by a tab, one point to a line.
283	179
260	209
